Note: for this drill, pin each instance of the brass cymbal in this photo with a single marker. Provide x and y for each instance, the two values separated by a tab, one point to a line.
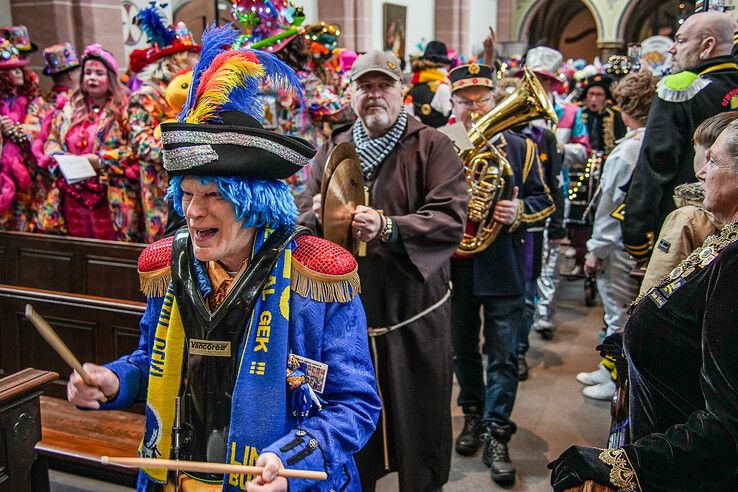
344	150
344	191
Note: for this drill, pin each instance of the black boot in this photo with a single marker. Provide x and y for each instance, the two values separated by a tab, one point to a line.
522	368
497	457
469	441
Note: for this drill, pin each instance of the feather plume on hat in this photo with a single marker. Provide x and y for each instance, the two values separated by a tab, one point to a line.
230	80
151	22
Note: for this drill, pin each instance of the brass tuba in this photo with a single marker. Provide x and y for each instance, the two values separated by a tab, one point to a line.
488	174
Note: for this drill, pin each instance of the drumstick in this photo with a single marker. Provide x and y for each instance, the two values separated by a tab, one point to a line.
362	244
56	343
204	467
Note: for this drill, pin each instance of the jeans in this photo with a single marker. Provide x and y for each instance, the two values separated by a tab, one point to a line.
526	321
502	317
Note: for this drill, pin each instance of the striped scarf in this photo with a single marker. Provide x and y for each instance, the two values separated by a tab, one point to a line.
373	151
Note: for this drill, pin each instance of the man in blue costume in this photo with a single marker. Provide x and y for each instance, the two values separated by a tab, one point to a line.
253	345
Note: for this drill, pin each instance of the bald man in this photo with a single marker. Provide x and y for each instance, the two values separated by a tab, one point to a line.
704	82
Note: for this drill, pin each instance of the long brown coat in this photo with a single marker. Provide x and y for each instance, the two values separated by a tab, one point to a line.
421	186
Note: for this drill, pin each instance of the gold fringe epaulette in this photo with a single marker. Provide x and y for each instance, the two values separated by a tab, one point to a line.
323	271
154	268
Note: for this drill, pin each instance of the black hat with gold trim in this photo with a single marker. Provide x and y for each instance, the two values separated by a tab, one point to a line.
471	75
597	80
219	131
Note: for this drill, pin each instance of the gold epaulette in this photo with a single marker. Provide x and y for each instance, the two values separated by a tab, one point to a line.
324	271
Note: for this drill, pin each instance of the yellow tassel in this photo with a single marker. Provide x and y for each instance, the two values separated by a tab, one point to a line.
154	284
323	287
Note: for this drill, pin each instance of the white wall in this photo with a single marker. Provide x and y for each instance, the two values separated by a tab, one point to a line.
482	16
310	7
419	23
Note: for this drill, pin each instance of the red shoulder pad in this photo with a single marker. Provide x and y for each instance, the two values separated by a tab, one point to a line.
322	256
156	256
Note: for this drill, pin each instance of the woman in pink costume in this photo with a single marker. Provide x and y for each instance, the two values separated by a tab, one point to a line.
94	124
21	110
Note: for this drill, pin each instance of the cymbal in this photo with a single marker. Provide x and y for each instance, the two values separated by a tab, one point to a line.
344	191
344	150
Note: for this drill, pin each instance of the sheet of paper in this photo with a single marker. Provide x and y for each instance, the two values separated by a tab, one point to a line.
458	135
75	168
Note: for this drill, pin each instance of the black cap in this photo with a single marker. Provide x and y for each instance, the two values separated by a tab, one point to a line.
436	51
597	80
471	75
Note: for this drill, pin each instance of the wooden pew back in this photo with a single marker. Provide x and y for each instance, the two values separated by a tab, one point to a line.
96	329
68	264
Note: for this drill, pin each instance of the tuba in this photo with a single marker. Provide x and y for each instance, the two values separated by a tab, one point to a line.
489	175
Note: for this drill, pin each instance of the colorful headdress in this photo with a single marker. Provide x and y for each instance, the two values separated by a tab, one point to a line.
96	52
164	40
219	132
268	25
59	58
18	37
9	56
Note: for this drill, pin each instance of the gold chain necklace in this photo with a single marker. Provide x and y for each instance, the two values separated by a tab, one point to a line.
697	259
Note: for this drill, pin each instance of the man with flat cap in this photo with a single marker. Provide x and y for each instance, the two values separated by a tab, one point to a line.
416	179
493	280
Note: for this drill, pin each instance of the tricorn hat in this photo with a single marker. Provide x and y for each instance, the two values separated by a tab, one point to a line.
18	37
597	80
219	132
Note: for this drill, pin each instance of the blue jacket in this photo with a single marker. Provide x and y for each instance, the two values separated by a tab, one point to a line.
334	333
499	270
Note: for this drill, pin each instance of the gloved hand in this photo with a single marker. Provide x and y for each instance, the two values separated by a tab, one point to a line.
575	466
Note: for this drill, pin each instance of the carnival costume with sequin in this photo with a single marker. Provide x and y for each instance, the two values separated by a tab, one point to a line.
105	206
295	297
147	108
21	186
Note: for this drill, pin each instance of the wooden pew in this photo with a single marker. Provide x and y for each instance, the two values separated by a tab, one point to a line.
74	440
68	264
96	329
20	430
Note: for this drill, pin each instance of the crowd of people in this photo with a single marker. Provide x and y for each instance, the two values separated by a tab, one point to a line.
238	145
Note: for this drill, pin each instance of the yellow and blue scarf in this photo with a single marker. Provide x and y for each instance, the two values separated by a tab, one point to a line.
259	407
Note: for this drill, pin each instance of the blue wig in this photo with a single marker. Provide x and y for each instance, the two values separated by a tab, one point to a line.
258	202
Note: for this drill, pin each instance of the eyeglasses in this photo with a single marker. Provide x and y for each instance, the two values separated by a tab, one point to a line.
467	103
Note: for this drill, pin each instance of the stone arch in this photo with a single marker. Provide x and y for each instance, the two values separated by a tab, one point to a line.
636	13
534	8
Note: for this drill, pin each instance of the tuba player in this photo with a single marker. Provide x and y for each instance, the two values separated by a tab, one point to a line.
495	280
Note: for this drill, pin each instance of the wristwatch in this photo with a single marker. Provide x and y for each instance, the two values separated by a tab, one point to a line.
386	233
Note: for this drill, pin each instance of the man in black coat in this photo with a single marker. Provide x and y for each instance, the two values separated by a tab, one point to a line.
704	83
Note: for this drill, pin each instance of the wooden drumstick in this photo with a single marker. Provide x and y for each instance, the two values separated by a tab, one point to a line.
204	467
56	343
362	244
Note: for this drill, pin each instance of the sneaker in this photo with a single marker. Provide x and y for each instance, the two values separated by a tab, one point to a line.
603	391
598	376
469	441
522	368
497	457
545	329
